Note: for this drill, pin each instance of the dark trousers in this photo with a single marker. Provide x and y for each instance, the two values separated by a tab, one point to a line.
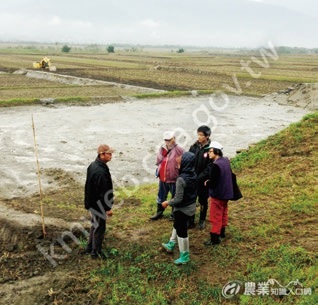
164	189
96	234
203	198
181	224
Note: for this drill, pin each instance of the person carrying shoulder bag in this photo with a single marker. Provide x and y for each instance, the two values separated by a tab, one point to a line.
220	188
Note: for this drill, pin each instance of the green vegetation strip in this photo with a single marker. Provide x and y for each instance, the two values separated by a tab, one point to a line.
19	102
36	101
174	93
162	94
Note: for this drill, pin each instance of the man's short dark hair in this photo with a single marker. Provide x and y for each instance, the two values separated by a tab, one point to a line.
205	130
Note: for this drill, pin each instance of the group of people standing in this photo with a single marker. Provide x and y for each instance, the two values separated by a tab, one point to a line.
168	171
198	174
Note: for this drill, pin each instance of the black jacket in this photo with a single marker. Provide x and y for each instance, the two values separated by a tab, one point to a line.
201	161
98	186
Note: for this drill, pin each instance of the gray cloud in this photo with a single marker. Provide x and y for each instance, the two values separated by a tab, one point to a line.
239	23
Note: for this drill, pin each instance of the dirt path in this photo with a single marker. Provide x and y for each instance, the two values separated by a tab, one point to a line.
73	80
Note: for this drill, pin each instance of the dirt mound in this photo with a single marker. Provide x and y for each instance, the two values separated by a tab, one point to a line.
300	95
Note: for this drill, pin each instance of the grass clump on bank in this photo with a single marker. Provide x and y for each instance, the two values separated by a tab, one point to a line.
19	102
37	101
173	93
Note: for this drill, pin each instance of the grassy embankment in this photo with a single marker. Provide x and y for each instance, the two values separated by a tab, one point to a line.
176	73
271	234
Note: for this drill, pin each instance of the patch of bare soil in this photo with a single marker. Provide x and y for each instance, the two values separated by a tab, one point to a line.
63	201
33	269
301	95
27	272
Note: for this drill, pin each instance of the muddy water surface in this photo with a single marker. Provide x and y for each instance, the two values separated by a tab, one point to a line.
67	137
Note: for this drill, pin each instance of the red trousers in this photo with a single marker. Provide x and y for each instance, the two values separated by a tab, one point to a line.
218	214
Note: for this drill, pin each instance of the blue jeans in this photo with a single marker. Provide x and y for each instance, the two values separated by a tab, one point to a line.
164	189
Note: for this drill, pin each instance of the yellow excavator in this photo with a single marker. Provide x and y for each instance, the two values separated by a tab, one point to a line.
44	63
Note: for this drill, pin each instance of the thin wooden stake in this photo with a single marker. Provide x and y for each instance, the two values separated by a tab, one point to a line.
39	178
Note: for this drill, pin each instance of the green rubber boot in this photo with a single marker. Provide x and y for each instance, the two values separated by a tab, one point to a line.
183	259
169	246
172	242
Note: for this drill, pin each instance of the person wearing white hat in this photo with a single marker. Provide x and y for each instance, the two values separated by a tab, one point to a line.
167	171
220	192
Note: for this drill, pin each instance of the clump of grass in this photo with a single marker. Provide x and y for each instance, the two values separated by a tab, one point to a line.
249	159
175	93
19	102
73	99
36	101
305	204
284	264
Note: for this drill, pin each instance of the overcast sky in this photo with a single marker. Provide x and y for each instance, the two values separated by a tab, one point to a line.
214	23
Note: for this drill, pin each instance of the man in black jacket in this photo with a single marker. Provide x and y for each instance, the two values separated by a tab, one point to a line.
202	171
98	198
